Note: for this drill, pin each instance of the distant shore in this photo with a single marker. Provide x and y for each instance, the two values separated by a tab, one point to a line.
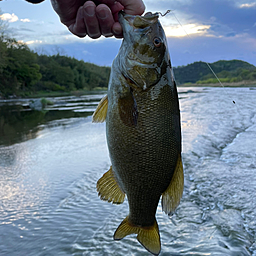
46	94
43	94
237	84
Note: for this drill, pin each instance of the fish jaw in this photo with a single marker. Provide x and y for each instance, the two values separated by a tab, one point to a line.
131	22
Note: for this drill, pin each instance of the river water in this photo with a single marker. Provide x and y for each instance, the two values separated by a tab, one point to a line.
50	162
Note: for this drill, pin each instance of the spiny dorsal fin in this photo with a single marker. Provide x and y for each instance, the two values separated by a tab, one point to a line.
108	188
100	114
171	197
148	236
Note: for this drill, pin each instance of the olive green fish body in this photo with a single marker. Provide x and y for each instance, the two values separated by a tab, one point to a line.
143	130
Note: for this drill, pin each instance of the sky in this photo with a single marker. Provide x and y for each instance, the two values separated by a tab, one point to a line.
196	30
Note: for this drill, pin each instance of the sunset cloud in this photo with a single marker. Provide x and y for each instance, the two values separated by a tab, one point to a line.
189	29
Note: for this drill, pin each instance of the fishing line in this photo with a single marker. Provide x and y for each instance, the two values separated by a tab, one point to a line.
168	11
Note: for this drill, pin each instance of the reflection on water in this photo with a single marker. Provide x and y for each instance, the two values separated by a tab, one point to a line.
50	162
18	122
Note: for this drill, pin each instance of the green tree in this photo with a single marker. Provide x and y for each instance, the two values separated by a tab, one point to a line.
227	71
3	50
20	71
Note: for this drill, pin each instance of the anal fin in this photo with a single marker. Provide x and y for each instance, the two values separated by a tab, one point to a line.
100	114
108	188
171	197
148	236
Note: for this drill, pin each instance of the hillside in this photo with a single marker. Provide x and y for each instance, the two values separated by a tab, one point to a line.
227	71
24	72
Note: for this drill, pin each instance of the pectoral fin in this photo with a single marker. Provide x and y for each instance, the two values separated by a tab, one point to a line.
171	197
100	114
128	110
108	188
148	236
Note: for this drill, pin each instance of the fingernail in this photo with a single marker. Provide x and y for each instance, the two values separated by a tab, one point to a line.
102	14
90	10
71	28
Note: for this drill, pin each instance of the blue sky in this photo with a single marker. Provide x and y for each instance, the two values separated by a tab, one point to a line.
218	30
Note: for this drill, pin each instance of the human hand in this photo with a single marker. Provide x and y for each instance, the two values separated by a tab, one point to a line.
97	17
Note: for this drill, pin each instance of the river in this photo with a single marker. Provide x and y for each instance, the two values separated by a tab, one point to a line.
50	162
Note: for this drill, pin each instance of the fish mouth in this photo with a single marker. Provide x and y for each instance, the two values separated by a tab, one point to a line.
137	21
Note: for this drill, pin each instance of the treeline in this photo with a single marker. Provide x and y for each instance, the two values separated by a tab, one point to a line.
24	72
227	71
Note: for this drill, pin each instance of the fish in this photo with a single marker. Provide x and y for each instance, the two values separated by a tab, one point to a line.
143	131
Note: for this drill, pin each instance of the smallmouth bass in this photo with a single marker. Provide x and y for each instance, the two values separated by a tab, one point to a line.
142	117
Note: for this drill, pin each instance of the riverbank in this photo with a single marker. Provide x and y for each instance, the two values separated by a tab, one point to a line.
44	94
77	93
237	84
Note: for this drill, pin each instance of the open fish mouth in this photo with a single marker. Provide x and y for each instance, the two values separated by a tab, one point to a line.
138	21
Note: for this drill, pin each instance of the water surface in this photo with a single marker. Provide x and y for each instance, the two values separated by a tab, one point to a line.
50	162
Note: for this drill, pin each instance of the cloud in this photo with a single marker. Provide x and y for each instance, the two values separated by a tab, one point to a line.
33	42
226	17
12	18
188	29
229	17
86	52
30	42
25	20
9	17
248	5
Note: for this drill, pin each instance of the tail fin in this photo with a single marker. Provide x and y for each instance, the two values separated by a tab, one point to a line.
148	236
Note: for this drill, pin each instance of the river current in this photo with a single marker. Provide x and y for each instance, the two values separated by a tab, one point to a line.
50	163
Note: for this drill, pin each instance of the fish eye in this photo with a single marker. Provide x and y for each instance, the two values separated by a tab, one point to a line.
157	42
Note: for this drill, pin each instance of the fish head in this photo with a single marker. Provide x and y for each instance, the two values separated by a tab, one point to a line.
143	55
